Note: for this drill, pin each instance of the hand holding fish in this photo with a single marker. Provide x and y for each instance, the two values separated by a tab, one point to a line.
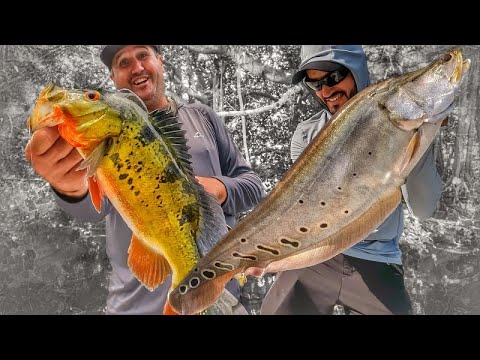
56	161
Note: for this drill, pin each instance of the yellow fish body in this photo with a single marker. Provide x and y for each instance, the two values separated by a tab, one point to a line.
140	162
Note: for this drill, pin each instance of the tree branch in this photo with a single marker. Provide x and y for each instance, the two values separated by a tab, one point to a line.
276	105
247	62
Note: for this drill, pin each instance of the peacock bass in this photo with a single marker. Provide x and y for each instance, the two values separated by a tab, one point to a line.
140	162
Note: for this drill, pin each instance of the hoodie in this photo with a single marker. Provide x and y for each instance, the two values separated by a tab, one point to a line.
423	187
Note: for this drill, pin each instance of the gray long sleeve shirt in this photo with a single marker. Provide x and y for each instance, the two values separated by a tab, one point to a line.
214	154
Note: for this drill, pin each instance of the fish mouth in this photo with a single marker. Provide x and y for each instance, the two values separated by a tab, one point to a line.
461	66
44	113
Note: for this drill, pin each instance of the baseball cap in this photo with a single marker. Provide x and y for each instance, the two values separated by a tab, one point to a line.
109	51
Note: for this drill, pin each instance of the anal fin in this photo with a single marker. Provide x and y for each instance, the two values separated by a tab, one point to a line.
343	239
150	267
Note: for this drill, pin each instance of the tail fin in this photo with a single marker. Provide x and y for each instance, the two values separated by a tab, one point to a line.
190	300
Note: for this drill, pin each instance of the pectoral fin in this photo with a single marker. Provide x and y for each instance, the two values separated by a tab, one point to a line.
96	193
150	267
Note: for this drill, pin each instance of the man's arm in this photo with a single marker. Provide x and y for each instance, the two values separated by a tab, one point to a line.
244	187
423	187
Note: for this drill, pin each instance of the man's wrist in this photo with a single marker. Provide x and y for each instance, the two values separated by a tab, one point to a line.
71	197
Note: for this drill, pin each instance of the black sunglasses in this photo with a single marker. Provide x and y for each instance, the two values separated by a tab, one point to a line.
330	80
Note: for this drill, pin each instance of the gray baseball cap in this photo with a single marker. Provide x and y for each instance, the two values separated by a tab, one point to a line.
109	51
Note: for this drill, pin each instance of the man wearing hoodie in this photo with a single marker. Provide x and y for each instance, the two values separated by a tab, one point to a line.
368	277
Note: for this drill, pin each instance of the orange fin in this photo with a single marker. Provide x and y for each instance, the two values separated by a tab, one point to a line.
96	193
150	267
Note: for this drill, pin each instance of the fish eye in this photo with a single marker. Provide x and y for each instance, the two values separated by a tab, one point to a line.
447	57
92	95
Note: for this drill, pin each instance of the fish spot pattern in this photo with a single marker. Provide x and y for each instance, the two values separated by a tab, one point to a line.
290	243
268	249
246	257
183	289
223	266
194	282
209	274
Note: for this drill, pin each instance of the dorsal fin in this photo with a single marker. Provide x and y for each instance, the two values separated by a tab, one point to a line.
130	95
167	125
212	220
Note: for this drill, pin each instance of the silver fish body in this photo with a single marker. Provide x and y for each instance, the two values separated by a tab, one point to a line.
342	187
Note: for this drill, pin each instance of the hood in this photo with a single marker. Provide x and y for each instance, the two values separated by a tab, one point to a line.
326	58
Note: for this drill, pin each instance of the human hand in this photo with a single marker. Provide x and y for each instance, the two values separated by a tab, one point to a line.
254	271
214	187
56	161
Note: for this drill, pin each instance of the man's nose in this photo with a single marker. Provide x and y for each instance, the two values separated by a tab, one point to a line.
137	67
326	91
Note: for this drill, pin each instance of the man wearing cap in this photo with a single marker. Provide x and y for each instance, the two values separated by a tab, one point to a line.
216	161
368	277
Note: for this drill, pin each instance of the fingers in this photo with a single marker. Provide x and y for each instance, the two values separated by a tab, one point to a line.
70	162
42	140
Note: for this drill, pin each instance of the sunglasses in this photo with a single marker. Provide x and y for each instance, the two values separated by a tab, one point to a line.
330	80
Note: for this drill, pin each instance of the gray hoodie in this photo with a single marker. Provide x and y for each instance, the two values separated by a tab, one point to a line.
423	187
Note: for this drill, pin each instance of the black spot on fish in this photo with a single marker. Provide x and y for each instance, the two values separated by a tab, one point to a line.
246	257
294	244
323	203
114	157
189	214
324	225
195	270
300	201
139	169
131	153
208	274
346	211
303	229
171	173
145	136
243	240
130	180
132	187
194	282
223	266
270	250
183	289
137	192
354	174
119	166
123	176
158	197
140	163
339	188
369	153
